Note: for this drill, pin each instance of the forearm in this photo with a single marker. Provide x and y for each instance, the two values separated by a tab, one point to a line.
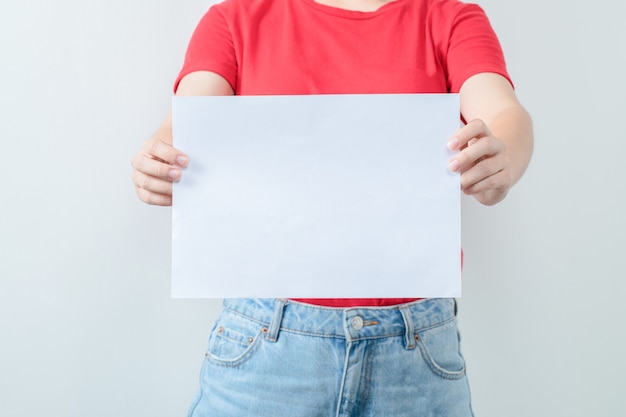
513	126
158	163
164	132
496	144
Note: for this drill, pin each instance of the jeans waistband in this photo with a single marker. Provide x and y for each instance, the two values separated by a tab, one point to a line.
354	323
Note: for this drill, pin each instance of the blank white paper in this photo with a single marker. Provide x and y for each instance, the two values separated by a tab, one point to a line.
316	196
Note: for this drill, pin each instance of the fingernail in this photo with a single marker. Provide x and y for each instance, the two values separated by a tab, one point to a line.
453	165
182	161
174	174
453	144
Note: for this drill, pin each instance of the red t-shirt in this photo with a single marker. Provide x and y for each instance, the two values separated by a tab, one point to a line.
288	47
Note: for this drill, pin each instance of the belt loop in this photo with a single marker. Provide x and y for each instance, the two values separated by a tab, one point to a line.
272	333
456	307
409	334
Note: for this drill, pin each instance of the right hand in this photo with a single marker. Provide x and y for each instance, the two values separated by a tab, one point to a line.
156	167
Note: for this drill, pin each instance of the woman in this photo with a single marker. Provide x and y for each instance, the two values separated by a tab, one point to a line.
342	357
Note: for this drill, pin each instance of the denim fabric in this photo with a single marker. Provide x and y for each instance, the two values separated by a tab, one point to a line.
279	358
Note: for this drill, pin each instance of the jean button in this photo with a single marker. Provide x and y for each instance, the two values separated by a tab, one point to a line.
356	322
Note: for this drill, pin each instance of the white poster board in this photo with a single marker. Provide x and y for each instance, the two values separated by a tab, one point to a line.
316	196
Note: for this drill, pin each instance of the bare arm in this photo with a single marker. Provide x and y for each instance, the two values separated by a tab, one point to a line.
158	164
497	142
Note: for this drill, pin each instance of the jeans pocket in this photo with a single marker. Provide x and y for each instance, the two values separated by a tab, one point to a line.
234	340
440	347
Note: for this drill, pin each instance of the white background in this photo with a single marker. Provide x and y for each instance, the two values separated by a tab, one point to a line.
87	326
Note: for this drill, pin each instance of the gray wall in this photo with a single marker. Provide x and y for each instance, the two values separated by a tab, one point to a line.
87	326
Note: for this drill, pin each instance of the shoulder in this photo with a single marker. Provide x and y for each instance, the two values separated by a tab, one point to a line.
450	10
450	5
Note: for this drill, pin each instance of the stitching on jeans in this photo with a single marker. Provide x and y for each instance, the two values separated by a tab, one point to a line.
434	367
367	380
338	336
238	360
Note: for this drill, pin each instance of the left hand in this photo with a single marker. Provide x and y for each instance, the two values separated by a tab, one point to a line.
485	168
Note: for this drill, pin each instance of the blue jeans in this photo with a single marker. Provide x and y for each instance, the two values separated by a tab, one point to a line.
277	358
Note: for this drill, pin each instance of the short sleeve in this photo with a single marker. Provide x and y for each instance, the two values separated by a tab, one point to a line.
211	48
472	48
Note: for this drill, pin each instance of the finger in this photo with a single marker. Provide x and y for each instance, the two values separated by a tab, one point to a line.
157	149
495	184
475	129
481	149
152	184
481	175
152	198
154	168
